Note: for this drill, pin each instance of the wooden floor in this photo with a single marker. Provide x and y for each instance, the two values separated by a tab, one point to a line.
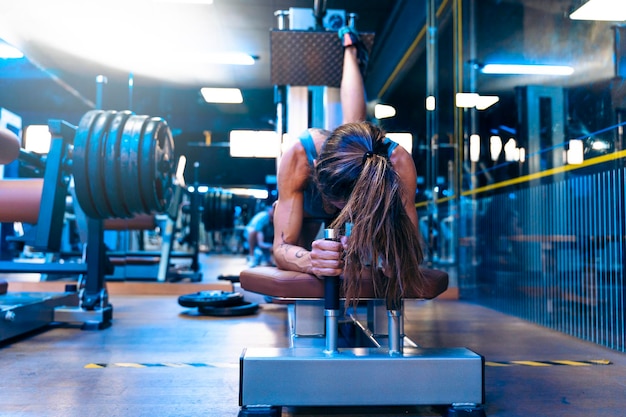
160	359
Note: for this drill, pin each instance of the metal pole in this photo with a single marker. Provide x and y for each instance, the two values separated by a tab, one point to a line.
331	303
281	15
101	80
319	11
131	85
432	121
394	318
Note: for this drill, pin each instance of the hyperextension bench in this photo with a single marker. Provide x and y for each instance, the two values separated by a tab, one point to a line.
361	358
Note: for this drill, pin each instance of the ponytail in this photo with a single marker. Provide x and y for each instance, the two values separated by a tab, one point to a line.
354	169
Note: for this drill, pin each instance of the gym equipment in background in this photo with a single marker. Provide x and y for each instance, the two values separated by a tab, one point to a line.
121	165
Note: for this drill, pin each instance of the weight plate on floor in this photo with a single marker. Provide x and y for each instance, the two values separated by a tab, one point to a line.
80	161
111	171
244	309
211	299
95	167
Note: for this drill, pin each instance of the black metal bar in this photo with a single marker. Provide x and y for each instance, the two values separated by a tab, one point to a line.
194	219
96	259
55	185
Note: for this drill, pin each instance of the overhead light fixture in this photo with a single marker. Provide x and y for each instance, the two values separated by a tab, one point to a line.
523	69
474	100
495	147
512	152
430	103
384	111
254	144
484	102
474	148
185	1
250	192
37	138
9	51
466	100
229	58
576	153
222	95
605	10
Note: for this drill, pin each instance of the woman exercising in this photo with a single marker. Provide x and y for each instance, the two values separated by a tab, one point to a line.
351	175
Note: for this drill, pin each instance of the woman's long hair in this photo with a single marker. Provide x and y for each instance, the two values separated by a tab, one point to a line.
354	169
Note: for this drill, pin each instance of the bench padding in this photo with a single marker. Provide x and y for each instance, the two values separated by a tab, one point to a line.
20	200
275	282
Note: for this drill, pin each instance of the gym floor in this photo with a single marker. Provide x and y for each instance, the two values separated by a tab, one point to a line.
161	359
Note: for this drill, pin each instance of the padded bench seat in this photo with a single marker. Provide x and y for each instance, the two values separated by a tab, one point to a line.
277	283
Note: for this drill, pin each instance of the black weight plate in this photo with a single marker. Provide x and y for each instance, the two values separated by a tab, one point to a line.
129	163
164	165
111	171
156	167
80	161
244	309
147	165
211	299
124	155
95	172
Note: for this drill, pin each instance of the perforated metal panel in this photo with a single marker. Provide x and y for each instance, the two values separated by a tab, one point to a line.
304	58
554	254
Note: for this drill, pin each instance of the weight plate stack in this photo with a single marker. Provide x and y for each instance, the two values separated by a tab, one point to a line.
112	177
122	164
81	160
95	166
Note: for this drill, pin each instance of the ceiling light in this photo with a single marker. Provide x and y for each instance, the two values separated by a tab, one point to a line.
466	100
229	58
474	148
185	1
383	111
606	10
471	100
576	152
430	103
521	69
222	95
495	147
484	102
251	192
254	143
9	52
37	139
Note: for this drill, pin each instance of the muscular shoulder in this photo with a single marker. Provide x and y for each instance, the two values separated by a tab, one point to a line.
294	170
402	162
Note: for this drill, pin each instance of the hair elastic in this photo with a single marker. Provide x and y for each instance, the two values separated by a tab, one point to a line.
366	155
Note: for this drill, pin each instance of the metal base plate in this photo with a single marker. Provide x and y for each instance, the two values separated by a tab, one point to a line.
360	376
24	312
96	319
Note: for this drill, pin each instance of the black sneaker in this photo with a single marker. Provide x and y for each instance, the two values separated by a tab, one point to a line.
350	37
